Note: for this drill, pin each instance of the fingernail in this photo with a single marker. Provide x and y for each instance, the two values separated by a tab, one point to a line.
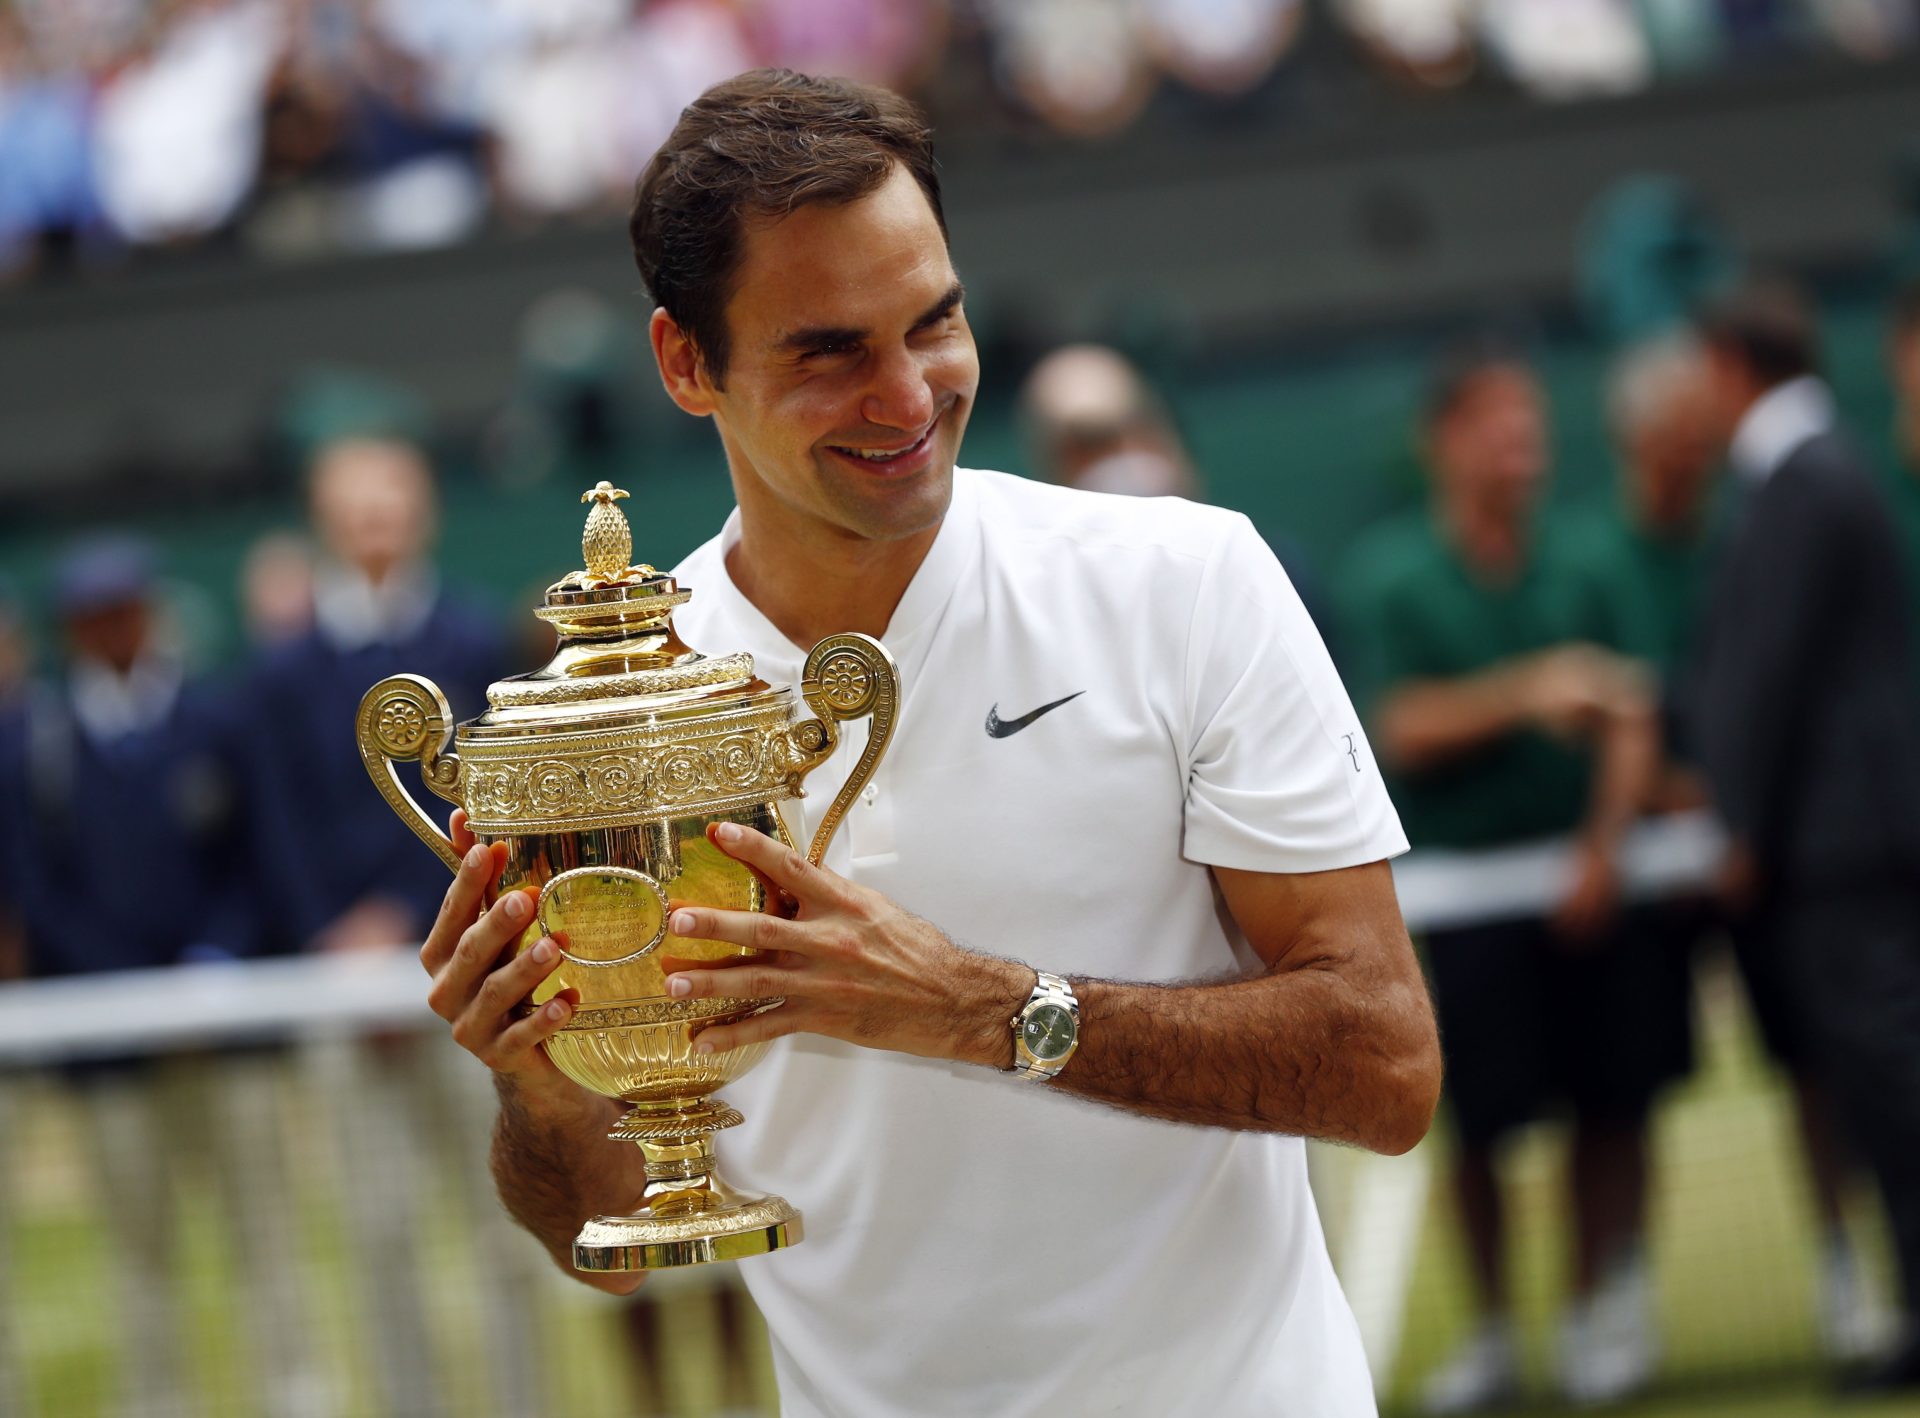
728	832
476	854
679	987
557	1009
682	923
702	1047
543	952
517	906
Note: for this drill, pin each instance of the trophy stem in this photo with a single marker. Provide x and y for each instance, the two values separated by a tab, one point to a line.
688	1214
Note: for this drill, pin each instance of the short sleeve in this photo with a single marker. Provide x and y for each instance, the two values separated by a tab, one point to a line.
1280	776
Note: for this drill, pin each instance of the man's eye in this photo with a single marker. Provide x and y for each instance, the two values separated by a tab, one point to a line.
829	351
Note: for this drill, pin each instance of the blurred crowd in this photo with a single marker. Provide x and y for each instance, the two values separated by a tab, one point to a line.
296	126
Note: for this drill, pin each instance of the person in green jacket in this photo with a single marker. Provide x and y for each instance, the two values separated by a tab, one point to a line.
1481	635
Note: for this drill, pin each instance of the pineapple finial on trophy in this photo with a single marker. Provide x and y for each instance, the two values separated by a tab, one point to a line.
607	543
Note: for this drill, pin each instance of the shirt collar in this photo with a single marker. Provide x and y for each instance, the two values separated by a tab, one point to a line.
955	547
109	706
1779	422
352	613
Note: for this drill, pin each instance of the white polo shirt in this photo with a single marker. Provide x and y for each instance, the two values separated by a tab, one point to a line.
976	1244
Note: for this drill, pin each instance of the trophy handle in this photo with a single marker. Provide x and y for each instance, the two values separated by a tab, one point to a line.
407	717
850	676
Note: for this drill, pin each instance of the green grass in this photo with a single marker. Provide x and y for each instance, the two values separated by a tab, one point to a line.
1732	1241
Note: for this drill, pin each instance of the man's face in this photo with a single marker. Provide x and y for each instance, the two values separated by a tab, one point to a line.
1490	450
113	635
852	370
1672	456
373	505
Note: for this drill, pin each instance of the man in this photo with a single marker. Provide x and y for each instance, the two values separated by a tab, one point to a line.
1659	540
1174	790
1093	422
1806	730
345	874
1479	627
124	848
339	866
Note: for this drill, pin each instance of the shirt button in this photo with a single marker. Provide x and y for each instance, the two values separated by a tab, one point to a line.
872	795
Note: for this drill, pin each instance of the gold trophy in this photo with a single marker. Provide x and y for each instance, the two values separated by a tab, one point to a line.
601	772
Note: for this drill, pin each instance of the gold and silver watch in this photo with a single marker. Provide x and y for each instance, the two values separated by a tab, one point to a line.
1047	1029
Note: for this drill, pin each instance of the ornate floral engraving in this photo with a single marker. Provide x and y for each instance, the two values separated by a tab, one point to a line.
844	680
615	780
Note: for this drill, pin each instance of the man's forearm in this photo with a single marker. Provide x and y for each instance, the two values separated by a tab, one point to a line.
1427	722
1300	1051
1628	765
555	1167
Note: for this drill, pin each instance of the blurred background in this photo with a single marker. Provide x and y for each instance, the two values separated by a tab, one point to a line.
317	315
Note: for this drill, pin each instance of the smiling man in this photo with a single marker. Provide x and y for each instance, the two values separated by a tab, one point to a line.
1129	847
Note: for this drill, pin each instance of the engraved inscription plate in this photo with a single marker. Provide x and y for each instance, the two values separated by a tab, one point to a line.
604	915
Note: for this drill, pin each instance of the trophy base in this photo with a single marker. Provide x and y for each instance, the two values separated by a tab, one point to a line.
720	1227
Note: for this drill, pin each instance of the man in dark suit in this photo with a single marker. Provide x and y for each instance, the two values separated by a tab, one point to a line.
1807	735
341	870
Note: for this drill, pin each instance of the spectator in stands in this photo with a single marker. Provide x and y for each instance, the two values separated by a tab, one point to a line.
1903	367
177	127
1476	629
48	208
1805	725
1093	422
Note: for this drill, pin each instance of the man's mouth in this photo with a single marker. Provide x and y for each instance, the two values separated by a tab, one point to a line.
899	457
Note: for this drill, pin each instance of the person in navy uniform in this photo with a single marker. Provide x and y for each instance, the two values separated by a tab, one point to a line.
123	749
124	850
345	874
342	870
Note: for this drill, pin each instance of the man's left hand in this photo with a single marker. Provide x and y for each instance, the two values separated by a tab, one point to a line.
847	963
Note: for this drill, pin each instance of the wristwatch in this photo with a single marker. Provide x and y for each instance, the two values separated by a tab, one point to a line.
1046	1031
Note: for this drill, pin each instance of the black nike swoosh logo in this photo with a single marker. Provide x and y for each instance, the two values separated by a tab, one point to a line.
1000	728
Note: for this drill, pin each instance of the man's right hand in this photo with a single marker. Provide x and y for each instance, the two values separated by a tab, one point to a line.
479	994
1569	691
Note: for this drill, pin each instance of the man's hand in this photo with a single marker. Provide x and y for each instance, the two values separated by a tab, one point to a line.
477	994
1737	882
848	964
371	923
1571	690
1589	908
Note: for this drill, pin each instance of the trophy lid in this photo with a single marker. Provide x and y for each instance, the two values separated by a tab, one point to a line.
618	653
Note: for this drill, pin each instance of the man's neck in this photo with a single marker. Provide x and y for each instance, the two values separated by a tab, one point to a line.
1662	522
811	581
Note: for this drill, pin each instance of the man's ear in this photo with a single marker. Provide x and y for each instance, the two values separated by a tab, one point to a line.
682	372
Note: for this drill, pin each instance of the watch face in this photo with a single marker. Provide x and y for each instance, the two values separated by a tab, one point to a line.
1049	1032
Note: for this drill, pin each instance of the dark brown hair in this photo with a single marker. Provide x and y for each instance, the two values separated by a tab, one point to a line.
1457	371
1767	324
756	147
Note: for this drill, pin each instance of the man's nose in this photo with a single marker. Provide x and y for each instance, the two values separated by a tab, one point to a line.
899	396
